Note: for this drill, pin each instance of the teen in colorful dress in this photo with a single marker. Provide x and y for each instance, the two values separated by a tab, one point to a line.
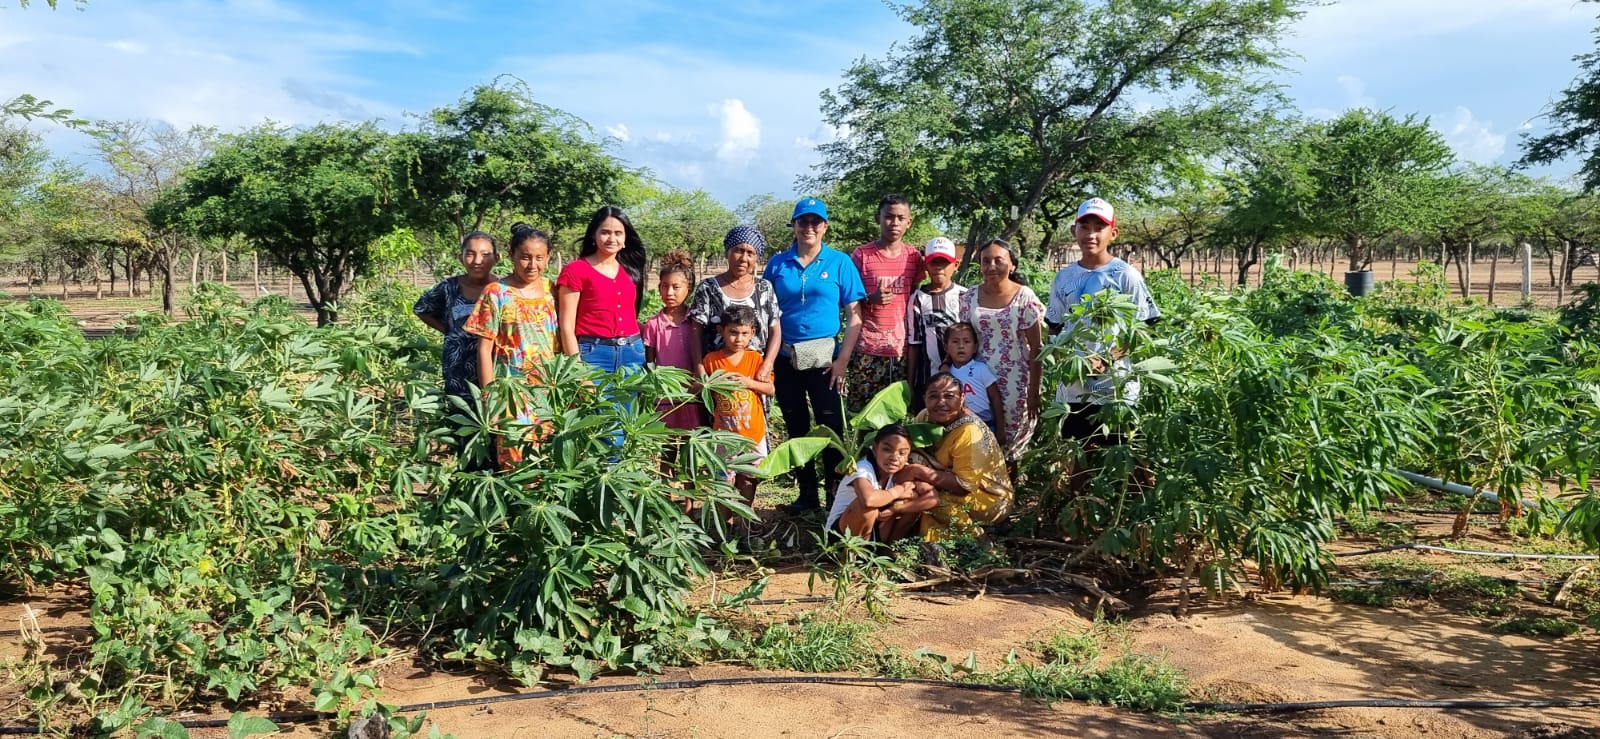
515	322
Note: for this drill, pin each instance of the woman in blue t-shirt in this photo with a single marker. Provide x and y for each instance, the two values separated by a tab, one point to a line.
819	291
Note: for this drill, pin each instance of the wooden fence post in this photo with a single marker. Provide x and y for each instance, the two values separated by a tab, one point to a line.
1494	268
1527	271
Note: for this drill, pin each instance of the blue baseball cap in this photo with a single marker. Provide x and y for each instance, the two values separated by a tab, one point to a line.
811	206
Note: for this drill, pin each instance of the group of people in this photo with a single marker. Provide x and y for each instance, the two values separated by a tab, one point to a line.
817	330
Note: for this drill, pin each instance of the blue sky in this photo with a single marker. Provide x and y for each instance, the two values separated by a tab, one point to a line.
715	95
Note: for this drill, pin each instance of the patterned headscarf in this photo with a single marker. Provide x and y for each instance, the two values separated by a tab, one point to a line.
745	235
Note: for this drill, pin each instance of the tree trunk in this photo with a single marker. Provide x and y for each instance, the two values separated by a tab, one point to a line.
133	277
1353	244
1247	259
222	272
194	268
99	289
1462	276
169	258
1494	270
1561	284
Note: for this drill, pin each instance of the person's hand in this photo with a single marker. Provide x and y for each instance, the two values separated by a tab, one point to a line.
840	367
915	473
1033	404
764	372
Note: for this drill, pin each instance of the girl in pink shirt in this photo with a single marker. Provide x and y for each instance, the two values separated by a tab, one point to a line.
667	335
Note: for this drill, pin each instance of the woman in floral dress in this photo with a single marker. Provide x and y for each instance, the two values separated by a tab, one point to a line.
515	322
1009	320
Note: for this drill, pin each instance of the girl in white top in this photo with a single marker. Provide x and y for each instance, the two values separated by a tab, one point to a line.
978	383
870	504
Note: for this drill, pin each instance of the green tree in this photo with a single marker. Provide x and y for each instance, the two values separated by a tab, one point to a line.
144	163
312	201
996	107
1269	190
669	218
1576	120
1371	174
498	153
770	216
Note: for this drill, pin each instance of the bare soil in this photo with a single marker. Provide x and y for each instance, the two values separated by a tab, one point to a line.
1256	648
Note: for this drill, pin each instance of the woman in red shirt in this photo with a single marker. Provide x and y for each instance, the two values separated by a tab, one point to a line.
599	294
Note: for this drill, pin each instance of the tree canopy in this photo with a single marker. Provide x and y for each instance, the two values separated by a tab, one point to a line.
998	108
498	153
313	201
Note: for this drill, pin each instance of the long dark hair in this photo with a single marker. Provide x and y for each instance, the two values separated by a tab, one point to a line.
1016	266
632	255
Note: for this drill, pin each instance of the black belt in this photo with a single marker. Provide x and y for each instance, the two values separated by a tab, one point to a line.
617	341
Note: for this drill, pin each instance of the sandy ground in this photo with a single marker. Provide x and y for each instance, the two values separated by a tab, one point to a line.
1288	648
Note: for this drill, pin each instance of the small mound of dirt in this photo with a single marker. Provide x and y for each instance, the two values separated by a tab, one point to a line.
1559	731
1235	691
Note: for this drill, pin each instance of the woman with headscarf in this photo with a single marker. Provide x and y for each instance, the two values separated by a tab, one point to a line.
739	284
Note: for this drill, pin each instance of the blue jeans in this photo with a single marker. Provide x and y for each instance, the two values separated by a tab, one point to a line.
625	355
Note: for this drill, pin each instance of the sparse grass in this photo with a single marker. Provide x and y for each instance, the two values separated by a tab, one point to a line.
1382	596
1374	527
1134	681
1539	626
815	645
1061	646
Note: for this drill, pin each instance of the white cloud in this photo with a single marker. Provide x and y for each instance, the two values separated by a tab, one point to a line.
184	62
741	132
1347	26
619	132
1355	92
1472	139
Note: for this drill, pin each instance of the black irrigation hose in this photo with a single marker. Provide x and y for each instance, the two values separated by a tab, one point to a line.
1463	705
1469	552
1415	580
45	630
306	716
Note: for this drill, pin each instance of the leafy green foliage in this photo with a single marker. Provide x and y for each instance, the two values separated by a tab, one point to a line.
891	405
312	201
1370	174
1000	104
1284	407
256	507
498	154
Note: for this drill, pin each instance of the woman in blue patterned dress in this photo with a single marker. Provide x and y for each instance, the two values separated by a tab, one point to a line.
446	306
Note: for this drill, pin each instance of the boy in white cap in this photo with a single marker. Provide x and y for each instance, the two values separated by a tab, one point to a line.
932	307
1095	228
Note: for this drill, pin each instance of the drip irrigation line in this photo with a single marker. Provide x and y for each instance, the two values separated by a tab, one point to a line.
1468	552
306	716
45	630
1415	580
1459	705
